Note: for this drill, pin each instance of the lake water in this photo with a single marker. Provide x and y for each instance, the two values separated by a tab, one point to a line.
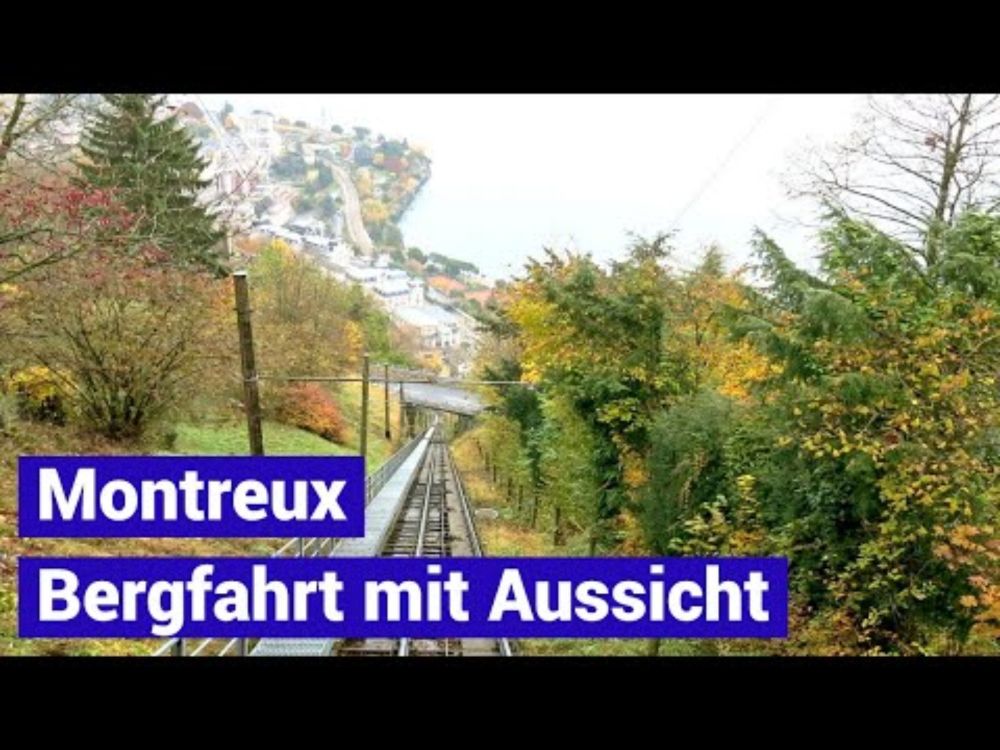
514	173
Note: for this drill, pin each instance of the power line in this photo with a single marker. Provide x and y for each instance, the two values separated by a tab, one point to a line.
224	141
717	172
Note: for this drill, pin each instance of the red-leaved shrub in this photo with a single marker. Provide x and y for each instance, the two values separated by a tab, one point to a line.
310	407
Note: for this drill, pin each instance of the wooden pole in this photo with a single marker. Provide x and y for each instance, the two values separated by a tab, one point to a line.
364	408
251	396
403	428
388	428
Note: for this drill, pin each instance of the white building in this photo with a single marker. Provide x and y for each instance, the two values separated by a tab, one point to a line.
436	327
395	293
310	149
257	131
364	275
307	225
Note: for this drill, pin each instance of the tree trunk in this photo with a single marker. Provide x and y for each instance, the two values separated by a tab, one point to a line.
952	156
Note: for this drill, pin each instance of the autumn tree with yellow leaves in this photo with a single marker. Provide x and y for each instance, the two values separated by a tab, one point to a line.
882	481
847	420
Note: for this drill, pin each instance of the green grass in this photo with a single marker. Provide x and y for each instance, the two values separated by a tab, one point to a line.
43	439
348	396
230	439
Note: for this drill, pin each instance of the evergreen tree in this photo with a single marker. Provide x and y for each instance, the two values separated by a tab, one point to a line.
153	165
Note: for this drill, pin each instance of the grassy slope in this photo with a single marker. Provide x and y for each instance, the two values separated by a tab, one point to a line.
230	439
192	439
510	536
349	397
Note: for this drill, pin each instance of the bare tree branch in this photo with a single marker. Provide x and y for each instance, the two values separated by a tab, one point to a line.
912	166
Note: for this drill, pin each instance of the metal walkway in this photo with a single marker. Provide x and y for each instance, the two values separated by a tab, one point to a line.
380	515
385	490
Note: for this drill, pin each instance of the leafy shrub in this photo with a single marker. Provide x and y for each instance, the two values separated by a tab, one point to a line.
37	395
127	335
310	407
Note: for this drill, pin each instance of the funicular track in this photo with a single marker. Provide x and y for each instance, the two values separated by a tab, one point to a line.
435	520
416	506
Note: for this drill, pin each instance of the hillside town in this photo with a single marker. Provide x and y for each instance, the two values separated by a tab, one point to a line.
336	196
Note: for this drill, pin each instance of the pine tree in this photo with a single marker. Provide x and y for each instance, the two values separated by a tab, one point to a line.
153	165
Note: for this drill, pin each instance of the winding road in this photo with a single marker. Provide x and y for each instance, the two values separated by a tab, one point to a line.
356	232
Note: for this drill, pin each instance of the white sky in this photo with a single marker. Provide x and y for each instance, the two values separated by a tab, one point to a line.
514	172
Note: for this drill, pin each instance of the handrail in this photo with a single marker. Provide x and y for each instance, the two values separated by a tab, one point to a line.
300	547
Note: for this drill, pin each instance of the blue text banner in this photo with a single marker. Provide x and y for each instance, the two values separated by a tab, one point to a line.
191	496
404	597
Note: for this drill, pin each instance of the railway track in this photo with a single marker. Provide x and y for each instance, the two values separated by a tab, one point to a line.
435	520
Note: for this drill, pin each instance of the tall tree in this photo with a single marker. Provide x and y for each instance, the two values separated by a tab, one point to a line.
31	126
152	164
913	166
881	482
595	336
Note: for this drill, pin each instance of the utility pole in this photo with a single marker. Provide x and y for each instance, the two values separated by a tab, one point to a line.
251	396
364	408
403	434
388	428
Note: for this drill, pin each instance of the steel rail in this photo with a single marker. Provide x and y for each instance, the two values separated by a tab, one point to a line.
404	643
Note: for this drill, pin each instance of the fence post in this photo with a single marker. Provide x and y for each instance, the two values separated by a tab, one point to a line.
364	408
251	396
388	427
179	647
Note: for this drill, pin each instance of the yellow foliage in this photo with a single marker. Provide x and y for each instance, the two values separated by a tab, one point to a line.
634	472
374	211
36	383
354	336
363	182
